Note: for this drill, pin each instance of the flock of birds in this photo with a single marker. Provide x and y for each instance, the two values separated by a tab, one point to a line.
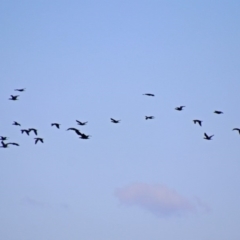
83	135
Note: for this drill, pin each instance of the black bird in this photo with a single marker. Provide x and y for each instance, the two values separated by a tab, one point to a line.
237	129
5	145
33	129
3	138
218	112
81	123
198	121
38	139
208	137
56	124
25	131
179	108
149	94
149	117
76	131
20	90
114	121
84	136
16	123
14	98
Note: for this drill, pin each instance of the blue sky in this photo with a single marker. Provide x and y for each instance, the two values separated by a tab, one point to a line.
92	61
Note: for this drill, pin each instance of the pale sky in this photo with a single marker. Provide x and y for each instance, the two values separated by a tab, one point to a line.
136	180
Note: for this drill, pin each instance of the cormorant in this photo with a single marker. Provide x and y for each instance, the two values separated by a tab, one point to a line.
33	129
14	98
208	137
81	123
149	94
218	112
3	138
198	121
5	145
16	123
20	90
25	131
56	124
84	136
149	117
179	108
38	139
114	121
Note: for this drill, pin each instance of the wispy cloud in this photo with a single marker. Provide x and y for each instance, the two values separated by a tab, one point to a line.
158	199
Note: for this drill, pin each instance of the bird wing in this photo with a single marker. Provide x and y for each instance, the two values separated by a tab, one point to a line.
16	144
74	129
206	135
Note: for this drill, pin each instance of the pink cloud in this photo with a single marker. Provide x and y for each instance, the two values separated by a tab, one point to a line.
158	199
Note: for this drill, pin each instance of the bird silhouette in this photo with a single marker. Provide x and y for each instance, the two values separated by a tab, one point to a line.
149	117
114	121
75	130
16	123
198	121
38	139
20	90
218	112
14	98
56	124
34	130
81	123
84	136
5	145
3	138
149	94
25	131
179	108
237	129
208	137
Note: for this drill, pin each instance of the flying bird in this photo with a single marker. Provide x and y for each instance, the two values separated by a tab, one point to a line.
198	121
149	94
237	129
84	136
179	108
56	124
3	138
5	145
16	123
20	90
75	130
114	121
208	137
38	139
14	98
81	123
25	131
33	129
218	112
149	117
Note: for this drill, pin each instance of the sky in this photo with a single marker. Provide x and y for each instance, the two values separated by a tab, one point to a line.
138	179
